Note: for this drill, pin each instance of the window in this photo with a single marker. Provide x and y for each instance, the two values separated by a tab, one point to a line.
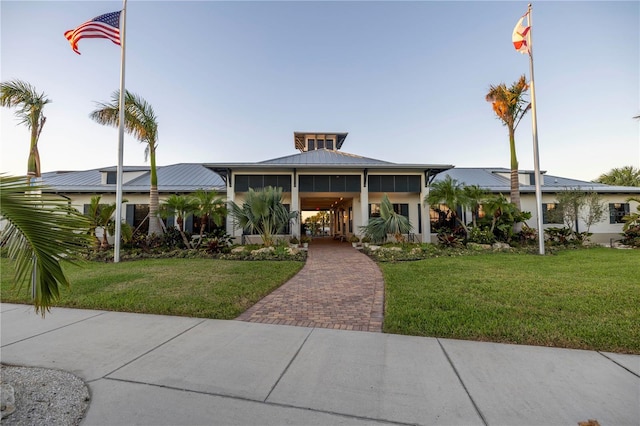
551	213
136	216
617	211
257	182
320	143
328	144
328	183
441	216
401	209
210	226
112	178
311	144
390	183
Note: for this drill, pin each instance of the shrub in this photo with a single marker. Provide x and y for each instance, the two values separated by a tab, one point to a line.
631	236
450	239
481	236
218	241
294	240
354	238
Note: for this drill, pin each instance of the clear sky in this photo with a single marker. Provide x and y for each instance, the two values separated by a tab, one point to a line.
231	81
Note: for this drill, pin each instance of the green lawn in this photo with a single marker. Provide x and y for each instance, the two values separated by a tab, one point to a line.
206	288
586	299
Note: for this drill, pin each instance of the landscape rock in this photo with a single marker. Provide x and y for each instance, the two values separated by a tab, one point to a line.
8	403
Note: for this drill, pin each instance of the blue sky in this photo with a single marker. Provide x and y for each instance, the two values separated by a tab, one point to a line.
231	81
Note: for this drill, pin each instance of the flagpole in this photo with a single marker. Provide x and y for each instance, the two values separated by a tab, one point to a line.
121	118
534	124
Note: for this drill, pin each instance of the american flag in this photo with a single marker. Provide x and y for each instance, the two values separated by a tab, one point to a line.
103	26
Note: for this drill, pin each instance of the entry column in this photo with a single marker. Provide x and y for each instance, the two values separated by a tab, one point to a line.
295	205
364	203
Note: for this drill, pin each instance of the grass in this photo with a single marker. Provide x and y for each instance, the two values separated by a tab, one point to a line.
205	288
588	299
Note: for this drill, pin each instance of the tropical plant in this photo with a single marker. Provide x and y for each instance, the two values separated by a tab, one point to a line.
180	206
623	176
209	206
632	219
101	216
502	216
389	222
451	193
473	197
41	232
510	106
30	104
482	235
354	238
142	123
263	212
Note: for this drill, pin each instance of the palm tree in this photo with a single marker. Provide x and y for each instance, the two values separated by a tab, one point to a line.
142	123
209	205
623	176
263	212
182	206
510	106
30	104
41	233
101	216
495	207
389	222
451	193
474	195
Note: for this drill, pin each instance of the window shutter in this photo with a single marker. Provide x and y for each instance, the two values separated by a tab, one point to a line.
130	213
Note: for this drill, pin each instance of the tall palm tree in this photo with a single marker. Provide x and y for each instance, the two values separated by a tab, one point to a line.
263	212
510	106
30	104
41	232
142	123
209	205
623	176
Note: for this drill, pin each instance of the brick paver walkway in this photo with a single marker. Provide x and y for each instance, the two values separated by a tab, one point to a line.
339	288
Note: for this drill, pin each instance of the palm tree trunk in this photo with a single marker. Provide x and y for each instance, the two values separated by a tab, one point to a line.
515	183
34	161
154	220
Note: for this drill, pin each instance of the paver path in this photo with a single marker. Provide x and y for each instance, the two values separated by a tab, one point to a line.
339	288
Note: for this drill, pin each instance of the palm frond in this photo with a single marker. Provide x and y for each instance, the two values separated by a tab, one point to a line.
41	232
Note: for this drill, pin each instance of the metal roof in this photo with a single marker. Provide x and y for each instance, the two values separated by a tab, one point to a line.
181	177
324	157
188	177
493	180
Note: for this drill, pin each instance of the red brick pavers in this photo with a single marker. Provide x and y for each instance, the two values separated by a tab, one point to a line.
339	288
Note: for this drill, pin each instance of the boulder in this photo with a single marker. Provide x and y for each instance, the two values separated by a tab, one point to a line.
8	403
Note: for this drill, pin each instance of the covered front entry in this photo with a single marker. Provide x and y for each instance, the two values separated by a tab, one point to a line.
338	194
331	213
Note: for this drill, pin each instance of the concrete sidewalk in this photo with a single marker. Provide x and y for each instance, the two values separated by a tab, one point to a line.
160	370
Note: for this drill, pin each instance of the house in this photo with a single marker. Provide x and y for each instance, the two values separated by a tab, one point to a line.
322	177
